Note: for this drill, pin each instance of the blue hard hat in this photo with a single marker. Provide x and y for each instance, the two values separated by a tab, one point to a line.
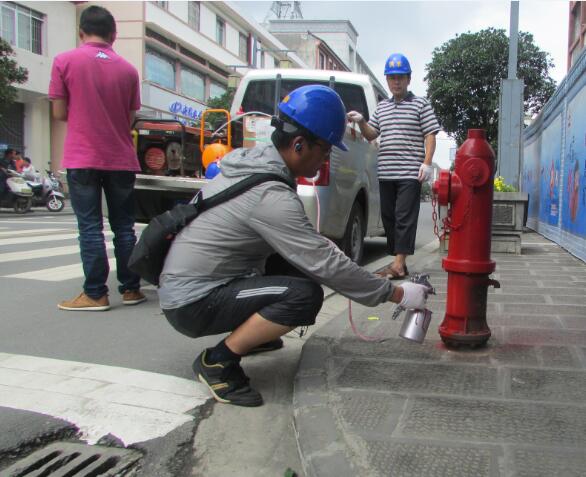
212	170
397	64
318	109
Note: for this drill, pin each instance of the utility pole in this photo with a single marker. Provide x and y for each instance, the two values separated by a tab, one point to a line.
511	111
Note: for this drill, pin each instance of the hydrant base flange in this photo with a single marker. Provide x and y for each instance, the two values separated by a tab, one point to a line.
469	338
461	342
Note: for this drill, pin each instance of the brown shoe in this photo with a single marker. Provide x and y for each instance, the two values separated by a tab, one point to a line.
133	297
82	302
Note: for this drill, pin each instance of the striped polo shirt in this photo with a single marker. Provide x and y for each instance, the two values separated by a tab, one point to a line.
402	127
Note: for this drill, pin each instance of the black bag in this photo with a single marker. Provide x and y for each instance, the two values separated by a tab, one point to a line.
148	256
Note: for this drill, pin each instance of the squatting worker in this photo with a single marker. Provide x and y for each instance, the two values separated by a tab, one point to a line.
213	279
407	127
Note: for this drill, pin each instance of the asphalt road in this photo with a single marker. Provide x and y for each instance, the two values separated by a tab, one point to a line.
40	266
134	337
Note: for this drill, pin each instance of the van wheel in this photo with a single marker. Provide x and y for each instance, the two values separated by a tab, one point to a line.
352	244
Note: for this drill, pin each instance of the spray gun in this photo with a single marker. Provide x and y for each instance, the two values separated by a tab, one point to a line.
416	322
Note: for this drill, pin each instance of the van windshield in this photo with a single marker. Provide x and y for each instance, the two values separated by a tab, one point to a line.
260	95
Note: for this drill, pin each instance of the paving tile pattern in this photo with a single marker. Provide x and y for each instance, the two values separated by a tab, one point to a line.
514	408
408	459
543	463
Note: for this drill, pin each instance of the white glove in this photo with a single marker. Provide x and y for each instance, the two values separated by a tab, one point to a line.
355	117
414	296
425	173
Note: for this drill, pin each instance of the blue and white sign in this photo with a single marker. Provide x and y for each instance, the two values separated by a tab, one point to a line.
179	108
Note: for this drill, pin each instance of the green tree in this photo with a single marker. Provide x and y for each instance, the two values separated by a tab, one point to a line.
10	73
220	102
464	77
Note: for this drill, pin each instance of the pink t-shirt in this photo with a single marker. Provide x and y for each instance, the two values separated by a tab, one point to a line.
101	89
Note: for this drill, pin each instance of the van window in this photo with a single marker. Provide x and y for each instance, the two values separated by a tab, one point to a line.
260	95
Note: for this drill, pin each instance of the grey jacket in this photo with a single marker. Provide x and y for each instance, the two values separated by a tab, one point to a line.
234	239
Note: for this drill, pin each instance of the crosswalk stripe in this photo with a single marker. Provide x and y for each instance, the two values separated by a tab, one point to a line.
130	404
57	274
44	253
47	238
30	232
40	222
137	225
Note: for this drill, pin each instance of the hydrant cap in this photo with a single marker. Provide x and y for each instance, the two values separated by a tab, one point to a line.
476	134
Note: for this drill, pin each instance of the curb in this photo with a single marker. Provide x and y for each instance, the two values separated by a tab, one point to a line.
320	442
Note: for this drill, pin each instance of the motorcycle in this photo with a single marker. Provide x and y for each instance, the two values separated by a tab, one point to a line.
18	195
47	191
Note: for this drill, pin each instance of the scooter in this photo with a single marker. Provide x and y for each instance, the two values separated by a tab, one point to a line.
47	191
18	195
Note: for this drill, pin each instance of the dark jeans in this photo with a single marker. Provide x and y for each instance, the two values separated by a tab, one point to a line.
85	189
400	210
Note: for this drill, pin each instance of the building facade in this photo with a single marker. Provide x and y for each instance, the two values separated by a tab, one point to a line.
576	31
313	50
188	52
37	32
325	45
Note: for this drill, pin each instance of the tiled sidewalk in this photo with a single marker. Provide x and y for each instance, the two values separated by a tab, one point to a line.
513	408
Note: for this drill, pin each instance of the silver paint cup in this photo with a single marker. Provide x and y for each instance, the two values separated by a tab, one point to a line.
415	325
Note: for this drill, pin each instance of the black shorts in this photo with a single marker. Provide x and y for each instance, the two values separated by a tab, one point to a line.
285	300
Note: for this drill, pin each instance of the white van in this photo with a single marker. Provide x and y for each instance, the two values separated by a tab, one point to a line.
347	186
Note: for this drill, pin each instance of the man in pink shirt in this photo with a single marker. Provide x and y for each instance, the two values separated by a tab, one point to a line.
97	93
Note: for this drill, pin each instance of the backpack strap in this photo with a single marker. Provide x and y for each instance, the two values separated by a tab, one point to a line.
237	189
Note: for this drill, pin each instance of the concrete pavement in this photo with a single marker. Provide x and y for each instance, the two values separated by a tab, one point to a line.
396	408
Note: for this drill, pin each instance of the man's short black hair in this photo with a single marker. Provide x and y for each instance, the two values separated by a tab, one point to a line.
97	21
286	129
8	152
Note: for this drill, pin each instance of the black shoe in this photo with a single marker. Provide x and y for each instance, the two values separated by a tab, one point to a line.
227	382
268	346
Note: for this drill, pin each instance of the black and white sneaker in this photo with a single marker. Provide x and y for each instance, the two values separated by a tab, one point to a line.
227	382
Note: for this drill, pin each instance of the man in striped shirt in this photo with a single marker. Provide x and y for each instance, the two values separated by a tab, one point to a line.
407	127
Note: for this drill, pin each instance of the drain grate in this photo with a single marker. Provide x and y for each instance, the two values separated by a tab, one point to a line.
74	460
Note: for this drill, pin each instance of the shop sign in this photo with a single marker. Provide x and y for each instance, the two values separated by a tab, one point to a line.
177	107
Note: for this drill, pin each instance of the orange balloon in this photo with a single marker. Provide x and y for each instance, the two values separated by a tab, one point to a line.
214	152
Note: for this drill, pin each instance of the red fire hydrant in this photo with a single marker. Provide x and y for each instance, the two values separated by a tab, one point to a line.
469	191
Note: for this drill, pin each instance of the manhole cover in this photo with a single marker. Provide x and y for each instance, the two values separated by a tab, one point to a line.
74	460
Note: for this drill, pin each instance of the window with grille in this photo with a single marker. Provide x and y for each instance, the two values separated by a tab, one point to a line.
243	48
193	15
22	27
12	126
220	30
